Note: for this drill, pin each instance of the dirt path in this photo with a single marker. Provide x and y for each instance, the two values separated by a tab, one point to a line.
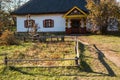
110	55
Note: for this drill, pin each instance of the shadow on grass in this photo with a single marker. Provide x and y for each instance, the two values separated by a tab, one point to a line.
12	68
101	58
4	54
84	66
51	72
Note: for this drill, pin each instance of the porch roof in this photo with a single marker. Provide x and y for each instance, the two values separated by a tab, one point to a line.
75	12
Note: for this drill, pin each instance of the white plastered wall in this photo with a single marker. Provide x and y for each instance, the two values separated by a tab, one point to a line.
59	23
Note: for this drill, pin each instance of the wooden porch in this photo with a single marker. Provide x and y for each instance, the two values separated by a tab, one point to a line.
75	21
73	30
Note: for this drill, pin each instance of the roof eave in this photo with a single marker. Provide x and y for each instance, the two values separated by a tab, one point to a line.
38	13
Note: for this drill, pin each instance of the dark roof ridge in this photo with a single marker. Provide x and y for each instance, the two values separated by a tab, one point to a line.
49	6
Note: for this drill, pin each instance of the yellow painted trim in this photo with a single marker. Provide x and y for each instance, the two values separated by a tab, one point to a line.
75	7
75	16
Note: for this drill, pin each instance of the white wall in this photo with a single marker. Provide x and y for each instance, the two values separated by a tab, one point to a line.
59	23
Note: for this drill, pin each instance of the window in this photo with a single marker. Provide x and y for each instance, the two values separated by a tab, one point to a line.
29	23
48	23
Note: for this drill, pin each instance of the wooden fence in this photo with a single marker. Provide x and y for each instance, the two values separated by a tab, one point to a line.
44	38
49	38
75	59
6	60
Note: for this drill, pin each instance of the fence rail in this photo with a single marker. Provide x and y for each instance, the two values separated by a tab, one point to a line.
18	60
6	60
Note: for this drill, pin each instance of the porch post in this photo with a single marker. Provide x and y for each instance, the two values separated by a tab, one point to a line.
69	23
66	23
82	23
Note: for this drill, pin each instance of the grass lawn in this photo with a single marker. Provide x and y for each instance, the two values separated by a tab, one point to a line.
105	43
91	67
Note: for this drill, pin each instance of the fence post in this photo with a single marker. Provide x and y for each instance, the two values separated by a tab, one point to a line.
76	60
77	49
45	39
6	60
57	38
51	38
24	39
62	38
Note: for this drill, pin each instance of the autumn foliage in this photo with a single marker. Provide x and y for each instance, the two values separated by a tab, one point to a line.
8	38
100	13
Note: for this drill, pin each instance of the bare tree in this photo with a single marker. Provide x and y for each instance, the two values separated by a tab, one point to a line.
6	7
10	5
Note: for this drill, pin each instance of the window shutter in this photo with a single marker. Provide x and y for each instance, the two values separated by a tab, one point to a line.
26	23
52	23
33	23
44	23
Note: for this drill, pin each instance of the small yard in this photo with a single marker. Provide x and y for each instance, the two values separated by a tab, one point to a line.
44	51
109	45
106	43
93	65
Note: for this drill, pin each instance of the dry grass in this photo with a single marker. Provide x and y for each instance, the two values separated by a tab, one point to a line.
109	45
91	69
57	50
105	43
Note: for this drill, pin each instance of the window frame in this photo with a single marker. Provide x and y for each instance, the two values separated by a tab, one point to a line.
26	23
48	23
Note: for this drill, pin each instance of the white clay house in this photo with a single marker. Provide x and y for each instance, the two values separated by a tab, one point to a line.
67	16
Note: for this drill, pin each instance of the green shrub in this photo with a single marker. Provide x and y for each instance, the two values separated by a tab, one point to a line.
8	38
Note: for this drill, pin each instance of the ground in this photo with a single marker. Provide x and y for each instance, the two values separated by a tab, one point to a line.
93	64
109	45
